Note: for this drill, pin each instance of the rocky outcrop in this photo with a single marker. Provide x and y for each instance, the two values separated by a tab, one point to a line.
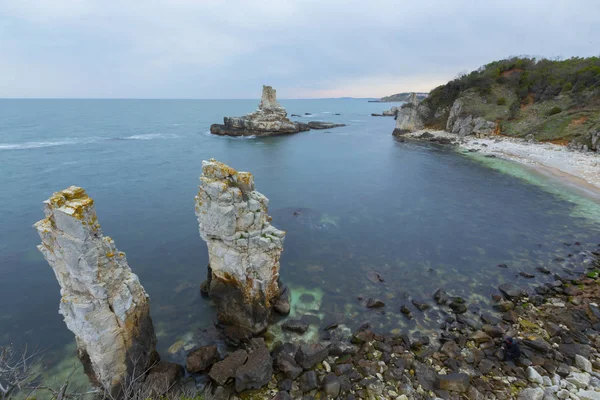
392	112
408	118
465	124
243	248
270	119
103	302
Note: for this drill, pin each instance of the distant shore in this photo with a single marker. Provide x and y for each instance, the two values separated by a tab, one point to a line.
576	169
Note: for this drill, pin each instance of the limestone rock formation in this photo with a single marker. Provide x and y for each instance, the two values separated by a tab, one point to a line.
103	302
243	248
464	124
408	117
270	119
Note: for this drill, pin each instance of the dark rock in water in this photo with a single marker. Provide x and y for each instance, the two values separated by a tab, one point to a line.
308	355
526	274
282	304
163	376
458	306
257	371
308	381
490	156
307	298
296	115
502	266
375	277
504	306
295	325
455	382
307	113
323	125
288	366
202	359
331	385
510	291
405	310
490	319
543	270
375	303
222	371
420	306
441	297
337	114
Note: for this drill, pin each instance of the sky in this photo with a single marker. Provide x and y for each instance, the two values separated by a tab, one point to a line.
304	48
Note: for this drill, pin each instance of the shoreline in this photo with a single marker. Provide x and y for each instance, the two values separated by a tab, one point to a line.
580	171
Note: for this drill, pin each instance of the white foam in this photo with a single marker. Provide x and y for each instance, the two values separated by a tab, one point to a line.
150	136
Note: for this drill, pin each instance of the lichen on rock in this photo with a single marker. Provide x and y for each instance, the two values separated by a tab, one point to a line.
103	302
243	247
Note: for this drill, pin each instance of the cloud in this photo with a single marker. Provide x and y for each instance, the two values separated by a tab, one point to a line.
305	48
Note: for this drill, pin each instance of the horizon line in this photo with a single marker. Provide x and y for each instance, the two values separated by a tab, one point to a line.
181	98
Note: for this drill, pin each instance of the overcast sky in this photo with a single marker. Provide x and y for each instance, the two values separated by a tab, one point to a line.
304	48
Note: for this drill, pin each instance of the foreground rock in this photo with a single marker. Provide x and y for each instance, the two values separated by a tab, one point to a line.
243	248
270	119
408	117
103	302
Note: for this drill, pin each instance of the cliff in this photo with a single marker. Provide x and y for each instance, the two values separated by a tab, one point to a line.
243	248
398	97
103	302
553	101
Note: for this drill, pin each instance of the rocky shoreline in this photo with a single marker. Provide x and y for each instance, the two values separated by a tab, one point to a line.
580	168
556	326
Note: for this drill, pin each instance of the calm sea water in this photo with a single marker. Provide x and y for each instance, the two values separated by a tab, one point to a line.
420	216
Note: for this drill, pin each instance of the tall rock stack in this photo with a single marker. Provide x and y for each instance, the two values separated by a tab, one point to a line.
243	248
408	117
103	302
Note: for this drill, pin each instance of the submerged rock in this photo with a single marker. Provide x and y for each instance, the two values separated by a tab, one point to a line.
103	302
243	247
270	119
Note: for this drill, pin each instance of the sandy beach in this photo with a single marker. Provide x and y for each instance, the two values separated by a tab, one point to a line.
577	169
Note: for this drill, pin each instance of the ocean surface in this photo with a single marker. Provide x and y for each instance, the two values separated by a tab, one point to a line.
418	216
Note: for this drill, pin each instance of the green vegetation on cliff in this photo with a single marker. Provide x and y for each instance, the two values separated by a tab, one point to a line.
551	100
404	96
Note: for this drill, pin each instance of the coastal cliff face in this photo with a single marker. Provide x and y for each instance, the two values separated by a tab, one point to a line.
103	302
243	248
543	100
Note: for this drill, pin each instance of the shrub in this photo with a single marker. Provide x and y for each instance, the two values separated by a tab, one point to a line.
513	110
554	110
567	87
501	101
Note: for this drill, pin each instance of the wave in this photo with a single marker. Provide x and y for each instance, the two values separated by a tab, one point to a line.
88	140
149	136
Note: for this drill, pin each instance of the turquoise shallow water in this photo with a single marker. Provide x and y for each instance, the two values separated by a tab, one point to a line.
421	216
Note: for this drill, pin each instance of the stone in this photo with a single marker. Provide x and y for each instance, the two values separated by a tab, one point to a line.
581	380
375	303
162	376
531	394
308	381
441	297
588	395
455	382
583	363
103	302
243	247
426	376
534	376
282	395
288	366
408	118
268	120
222	371
282	304
511	291
331	385
256	372
202	359
309	355
295	325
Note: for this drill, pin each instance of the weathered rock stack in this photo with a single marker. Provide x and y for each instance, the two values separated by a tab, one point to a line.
408	117
464	124
270	119
243	248
103	302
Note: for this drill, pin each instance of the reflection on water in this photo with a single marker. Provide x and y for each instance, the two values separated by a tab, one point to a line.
366	216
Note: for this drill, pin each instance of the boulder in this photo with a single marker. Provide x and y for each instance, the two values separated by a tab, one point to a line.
103	302
243	248
257	371
511	291
202	359
287	365
309	355
455	382
162	377
295	325
308	381
331	385
408	117
222	371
